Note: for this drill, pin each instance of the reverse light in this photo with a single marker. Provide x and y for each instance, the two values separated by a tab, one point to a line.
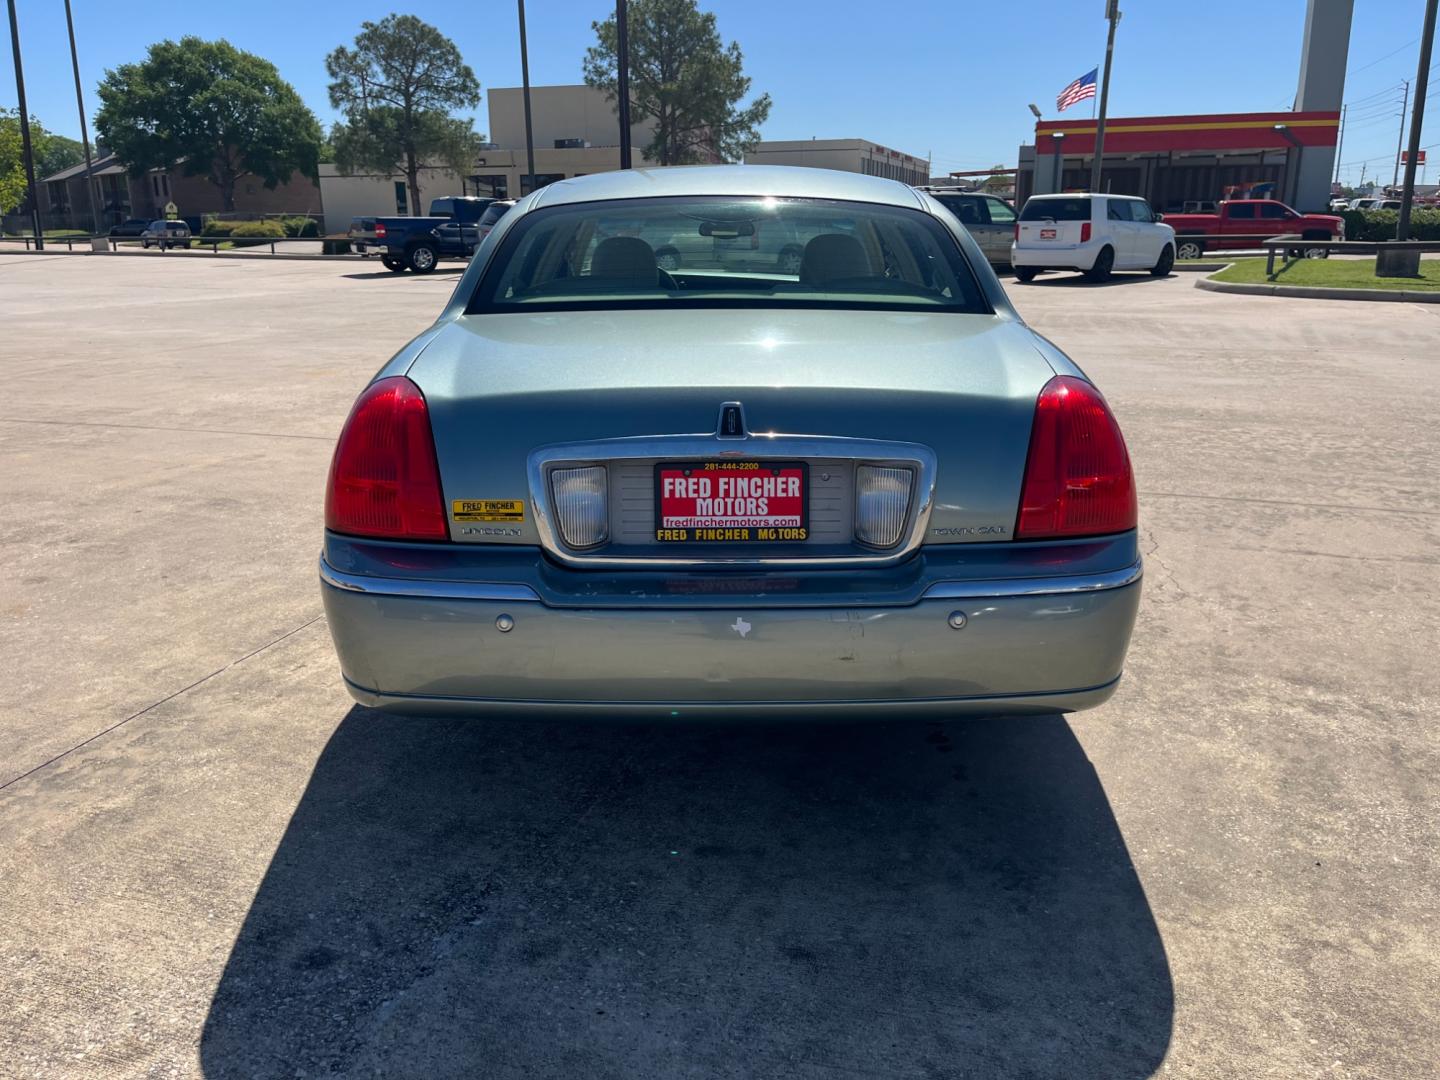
882	503
1078	480
383	478
582	505
1085	232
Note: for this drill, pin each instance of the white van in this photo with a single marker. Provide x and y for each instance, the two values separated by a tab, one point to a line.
1094	234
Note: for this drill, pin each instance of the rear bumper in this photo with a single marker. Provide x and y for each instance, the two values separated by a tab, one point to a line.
1027	645
1056	257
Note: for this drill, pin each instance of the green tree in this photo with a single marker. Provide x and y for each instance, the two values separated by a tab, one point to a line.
60	153
213	110
684	78
12	160
397	88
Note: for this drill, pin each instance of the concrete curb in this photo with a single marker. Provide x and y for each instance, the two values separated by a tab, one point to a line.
278	256
1311	292
1198	267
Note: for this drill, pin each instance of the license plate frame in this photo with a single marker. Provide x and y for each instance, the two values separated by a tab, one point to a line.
743	529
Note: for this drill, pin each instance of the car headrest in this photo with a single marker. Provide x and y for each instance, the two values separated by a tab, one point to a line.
627	260
831	257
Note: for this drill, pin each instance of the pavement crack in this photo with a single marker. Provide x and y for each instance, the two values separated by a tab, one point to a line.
1289	502
162	427
156	704
1168	588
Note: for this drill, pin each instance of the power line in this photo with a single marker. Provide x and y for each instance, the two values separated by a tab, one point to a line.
1387	55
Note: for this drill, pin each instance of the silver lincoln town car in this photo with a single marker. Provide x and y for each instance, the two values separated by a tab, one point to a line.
810	462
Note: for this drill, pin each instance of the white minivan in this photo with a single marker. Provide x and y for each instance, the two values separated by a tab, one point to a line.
1094	234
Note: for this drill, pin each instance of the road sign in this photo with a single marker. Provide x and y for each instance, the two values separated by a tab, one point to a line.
171	210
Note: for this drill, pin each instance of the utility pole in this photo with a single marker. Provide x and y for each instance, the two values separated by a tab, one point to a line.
1112	13
622	78
525	81
1417	120
25	146
1340	145
84	130
1400	138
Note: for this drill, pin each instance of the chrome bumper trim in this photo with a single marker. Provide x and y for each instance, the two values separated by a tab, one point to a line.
1037	586
436	590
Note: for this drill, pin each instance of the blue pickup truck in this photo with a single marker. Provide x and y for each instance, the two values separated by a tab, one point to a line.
450	231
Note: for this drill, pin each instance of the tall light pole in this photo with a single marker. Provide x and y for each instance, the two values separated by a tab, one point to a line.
84	130
1400	138
25	147
525	92
622	78
1417	120
1112	13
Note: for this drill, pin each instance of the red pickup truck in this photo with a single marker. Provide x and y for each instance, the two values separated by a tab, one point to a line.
1255	218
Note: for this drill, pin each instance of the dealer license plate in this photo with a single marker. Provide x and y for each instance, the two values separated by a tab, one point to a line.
731	502
1047	234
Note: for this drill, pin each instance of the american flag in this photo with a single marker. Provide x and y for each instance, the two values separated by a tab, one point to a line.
1079	90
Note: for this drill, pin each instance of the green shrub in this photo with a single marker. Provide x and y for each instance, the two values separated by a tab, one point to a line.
301	226
219	228
249	233
1373	226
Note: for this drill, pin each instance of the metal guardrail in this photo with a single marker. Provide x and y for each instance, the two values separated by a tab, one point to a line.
214	242
1293	248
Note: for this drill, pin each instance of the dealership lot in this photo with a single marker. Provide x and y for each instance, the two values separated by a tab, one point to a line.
212	864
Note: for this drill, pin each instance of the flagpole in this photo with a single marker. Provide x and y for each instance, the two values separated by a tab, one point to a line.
1112	13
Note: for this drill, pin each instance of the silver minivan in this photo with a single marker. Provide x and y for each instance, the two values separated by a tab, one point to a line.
165	234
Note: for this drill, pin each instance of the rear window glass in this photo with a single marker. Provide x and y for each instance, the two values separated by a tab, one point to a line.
716	251
967	210
1056	210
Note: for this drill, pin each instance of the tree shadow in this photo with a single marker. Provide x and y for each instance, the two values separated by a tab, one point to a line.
510	899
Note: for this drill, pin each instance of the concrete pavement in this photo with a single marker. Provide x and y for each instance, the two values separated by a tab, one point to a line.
211	864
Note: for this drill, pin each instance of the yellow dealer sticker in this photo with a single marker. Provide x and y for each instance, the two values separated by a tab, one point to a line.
487	510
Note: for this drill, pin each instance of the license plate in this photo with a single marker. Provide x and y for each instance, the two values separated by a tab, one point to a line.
731	502
1047	234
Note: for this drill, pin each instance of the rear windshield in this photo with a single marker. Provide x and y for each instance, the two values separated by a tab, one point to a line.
493	213
698	251
1056	210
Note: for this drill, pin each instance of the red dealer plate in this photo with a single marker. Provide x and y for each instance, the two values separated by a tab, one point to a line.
731	502
1047	234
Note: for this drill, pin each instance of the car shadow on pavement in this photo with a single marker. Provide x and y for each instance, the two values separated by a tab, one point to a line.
511	899
446	271
1079	280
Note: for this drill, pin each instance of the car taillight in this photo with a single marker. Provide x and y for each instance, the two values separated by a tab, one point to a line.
582	505
1084	232
882	503
383	478
1077	478
1017	232
379	230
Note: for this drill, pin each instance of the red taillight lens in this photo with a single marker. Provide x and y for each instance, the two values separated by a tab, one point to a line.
1077	478
1017	232
379	231
383	478
1085	232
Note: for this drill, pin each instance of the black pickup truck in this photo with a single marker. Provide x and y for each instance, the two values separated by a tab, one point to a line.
419	243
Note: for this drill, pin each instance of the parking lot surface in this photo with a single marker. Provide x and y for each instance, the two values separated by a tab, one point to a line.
212	864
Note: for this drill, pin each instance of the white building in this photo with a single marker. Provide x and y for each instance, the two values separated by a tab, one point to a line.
848	155
575	133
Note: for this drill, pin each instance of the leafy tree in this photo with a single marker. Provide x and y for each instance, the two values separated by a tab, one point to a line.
12	160
214	110
397	88
684	78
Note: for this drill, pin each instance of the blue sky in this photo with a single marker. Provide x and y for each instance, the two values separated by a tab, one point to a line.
941	77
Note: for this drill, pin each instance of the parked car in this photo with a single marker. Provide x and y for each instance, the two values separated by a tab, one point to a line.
418	243
134	226
166	234
488	220
1365	204
596	486
1094	234
991	220
1197	233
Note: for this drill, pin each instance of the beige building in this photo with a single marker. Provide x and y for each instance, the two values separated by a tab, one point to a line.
575	133
847	155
